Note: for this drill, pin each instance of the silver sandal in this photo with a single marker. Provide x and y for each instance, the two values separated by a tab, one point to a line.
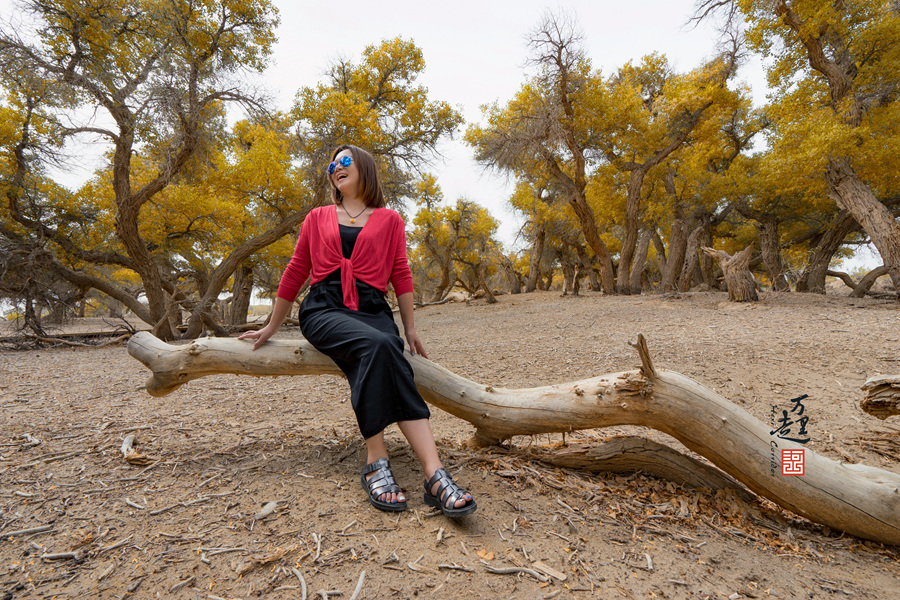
448	494
382	482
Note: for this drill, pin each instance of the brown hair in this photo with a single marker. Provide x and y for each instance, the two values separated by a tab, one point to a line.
369	185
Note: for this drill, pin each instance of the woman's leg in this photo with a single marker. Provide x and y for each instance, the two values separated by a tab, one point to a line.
421	439
376	449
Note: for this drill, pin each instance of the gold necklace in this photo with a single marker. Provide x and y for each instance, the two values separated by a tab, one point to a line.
352	218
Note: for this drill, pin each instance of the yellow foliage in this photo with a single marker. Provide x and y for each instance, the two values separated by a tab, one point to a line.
375	105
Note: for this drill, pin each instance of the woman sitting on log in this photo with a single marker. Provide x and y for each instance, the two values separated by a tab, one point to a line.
351	250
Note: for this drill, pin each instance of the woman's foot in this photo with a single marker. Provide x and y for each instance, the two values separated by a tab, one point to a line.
443	493
381	487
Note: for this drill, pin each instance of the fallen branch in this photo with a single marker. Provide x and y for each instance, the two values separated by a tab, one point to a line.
631	454
514	571
182	584
456	567
863	501
19	532
131	455
60	339
266	510
359	586
548	570
118	544
76	556
257	561
299	576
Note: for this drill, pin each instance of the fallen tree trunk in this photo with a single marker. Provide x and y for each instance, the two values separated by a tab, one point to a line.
636	454
860	500
882	396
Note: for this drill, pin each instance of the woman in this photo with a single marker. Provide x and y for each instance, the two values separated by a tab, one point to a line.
351	250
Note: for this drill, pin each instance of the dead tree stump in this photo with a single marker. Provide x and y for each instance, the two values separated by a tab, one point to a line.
738	279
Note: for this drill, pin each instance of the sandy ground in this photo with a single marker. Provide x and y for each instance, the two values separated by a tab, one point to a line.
221	448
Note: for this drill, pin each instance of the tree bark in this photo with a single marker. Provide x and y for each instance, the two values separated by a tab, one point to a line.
515	285
854	196
770	245
678	239
568	270
482	282
588	267
865	284
707	265
660	247
690	270
813	277
860	500
537	252
241	292
882	398
640	260
738	278
588	222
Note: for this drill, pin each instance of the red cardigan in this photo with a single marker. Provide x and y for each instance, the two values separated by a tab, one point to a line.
379	255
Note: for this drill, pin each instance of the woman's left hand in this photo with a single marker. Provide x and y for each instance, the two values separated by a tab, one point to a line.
415	344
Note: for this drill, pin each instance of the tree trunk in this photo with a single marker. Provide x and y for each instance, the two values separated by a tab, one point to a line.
115	308
707	271
32	317
854	196
534	261
691	268
865	284
482	281
588	267
738	278
241	292
440	290
545	283
678	239
568	270
640	260
576	279
515	286
201	312
589	228
625	280
58	313
770	244
860	500
813	277
660	247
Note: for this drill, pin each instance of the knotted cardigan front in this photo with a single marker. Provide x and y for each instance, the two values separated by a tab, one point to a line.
379	255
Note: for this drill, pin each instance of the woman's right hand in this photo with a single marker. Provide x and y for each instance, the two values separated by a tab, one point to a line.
261	336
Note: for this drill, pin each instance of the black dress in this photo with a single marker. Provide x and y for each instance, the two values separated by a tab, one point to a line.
366	345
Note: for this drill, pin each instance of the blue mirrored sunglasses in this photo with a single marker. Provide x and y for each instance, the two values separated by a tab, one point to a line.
343	161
